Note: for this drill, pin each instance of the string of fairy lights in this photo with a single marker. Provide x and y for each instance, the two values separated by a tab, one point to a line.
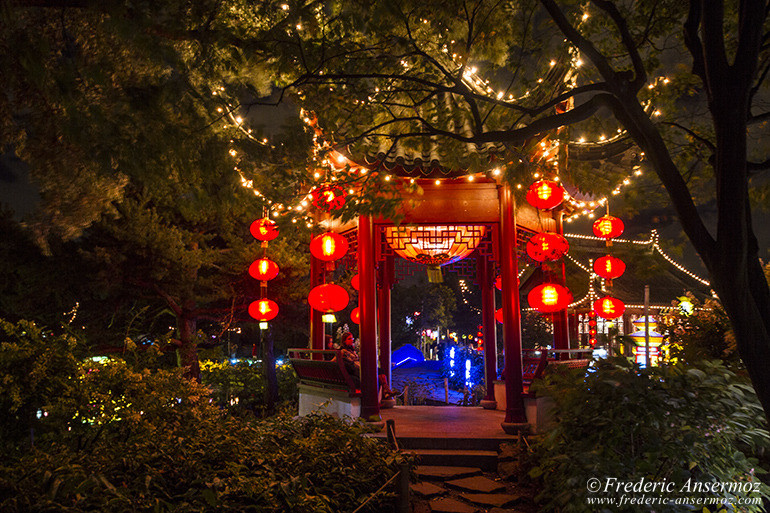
329	163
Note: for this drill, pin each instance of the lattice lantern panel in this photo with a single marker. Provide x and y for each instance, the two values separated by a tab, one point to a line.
434	245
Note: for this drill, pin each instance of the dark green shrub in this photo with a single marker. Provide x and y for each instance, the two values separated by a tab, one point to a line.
674	423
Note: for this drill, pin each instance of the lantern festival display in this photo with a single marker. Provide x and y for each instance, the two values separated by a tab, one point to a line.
355	315
549	298
263	270
354	282
640	338
547	246
609	307
608	227
328	298
263	310
609	267
329	246
592	324
545	194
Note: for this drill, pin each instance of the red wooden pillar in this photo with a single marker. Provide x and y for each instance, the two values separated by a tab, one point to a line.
316	321
386	278
486	279
515	417
560	318
370	406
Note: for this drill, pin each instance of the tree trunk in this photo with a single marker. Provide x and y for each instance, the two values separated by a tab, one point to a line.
271	378
187	325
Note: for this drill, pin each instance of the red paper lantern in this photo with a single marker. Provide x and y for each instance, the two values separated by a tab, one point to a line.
609	267
499	282
545	194
264	229
547	246
355	315
609	307
608	227
329	197
329	246
499	315
549	297
263	269
263	310
328	298
354	282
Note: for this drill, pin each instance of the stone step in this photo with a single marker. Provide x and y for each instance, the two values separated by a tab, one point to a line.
476	485
459	443
444	473
492	500
427	490
449	505
485	460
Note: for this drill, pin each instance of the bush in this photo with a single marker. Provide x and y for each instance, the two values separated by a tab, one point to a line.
240	386
674	423
155	440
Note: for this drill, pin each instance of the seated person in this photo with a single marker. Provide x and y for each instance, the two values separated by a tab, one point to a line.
350	357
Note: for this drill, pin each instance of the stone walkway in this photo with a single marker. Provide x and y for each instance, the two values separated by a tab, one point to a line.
469	490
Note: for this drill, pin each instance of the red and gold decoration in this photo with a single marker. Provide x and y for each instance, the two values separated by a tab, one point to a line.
609	267
264	229
264	270
608	227
549	298
328	298
355	315
609	307
263	310
328	197
545	194
547	246
592	328
329	246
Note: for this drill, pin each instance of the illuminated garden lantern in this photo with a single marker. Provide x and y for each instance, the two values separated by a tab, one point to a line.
328	298
608	227
263	269
329	197
549	298
264	229
545	194
263	310
609	307
354	282
499	282
547	246
609	267
355	315
329	246
499	315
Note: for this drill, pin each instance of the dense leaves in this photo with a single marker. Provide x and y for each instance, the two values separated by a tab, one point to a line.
680	422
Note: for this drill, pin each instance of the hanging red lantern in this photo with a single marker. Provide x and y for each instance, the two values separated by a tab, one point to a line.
354	282
328	298
263	310
609	267
609	307
329	246
329	197
499	315
499	282
263	269
355	315
608	227
545	194
547	246
549	297
264	229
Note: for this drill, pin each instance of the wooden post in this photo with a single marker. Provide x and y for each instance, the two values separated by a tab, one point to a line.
316	321
515	417
486	279
370	406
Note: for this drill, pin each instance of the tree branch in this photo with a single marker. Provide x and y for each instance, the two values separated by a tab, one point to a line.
640	75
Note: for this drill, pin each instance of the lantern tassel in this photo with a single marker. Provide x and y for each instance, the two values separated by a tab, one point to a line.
434	274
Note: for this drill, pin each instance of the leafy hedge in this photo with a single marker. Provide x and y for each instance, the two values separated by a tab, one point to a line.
118	439
675	423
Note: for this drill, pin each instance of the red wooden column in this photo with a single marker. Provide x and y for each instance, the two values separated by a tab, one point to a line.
486	279
370	406
386	278
515	417
316	321
560	318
